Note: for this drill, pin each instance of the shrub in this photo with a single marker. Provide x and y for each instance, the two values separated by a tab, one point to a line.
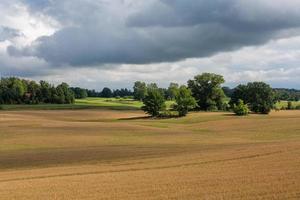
241	109
168	114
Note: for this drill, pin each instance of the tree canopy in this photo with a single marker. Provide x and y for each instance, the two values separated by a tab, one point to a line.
106	92
258	95
154	102
139	90
19	91
184	100
206	89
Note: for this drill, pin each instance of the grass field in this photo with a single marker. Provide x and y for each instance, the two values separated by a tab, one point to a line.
107	154
88	103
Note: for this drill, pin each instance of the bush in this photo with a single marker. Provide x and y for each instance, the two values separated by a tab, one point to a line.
168	114
241	109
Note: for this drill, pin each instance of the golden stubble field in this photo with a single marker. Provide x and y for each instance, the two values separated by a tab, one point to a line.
103	154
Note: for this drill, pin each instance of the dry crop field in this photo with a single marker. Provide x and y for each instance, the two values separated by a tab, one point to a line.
105	154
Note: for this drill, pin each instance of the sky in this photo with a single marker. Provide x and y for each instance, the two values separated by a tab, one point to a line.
112	43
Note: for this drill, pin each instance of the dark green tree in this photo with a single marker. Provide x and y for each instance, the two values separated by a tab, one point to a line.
172	89
12	90
33	93
64	95
206	89
80	93
139	90
19	91
261	97
154	102
228	91
152	86
46	95
239	93
258	95
106	92
184	100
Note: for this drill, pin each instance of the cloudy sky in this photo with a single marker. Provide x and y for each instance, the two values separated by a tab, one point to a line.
97	43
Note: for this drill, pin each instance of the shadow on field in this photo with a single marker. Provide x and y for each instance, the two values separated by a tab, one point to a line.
229	114
135	118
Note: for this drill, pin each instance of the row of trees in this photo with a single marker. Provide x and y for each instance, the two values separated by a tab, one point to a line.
19	91
154	100
81	93
140	90
204	92
287	94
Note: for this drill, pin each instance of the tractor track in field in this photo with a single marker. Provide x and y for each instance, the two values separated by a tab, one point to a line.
142	169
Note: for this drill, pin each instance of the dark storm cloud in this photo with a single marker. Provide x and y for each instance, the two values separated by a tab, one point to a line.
249	15
7	33
101	32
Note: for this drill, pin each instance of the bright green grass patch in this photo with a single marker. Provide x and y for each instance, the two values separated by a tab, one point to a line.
109	102
117	102
88	103
284	104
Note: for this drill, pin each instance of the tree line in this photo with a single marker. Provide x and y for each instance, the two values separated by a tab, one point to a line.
287	94
205	92
19	91
81	93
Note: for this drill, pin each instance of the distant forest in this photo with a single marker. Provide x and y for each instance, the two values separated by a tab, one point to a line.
14	90
282	94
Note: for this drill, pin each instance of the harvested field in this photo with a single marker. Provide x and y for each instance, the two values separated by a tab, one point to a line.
105	154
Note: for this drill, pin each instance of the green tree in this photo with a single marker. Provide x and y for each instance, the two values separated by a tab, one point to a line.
184	100
239	93
79	93
33	93
46	95
227	91
106	92
19	91
139	90
152	86
63	94
154	102
258	95
206	89
241	108
172	89
12	90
